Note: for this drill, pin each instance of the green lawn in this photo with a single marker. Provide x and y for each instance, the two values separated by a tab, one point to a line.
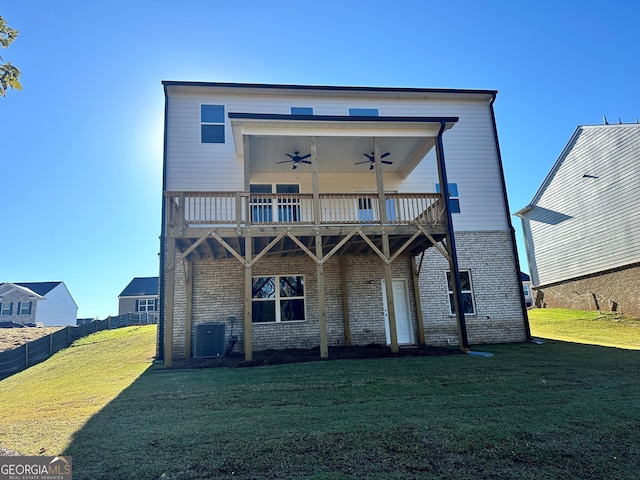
586	326
557	410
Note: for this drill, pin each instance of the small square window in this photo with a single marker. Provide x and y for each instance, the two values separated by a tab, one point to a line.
301	110
24	308
6	308
363	112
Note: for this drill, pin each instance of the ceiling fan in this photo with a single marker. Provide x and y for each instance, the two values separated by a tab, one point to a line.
372	159
296	159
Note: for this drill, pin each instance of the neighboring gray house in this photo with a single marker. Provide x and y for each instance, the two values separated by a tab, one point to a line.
47	304
140	296
582	228
314	216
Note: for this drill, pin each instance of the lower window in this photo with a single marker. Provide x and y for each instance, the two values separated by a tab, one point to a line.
278	299
466	293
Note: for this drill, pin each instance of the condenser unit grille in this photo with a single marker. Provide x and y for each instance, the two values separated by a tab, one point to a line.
209	341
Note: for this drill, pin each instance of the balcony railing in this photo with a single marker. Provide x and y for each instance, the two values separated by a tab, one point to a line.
199	209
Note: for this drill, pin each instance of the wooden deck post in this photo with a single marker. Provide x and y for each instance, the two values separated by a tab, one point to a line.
345	300
416	294
168	309
189	308
322	306
247	334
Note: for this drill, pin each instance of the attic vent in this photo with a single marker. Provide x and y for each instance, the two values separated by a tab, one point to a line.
209	341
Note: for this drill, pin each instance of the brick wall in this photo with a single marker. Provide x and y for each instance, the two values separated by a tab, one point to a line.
218	295
14	297
614	290
496	290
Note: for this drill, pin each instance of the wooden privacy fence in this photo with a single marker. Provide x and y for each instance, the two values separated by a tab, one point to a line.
31	353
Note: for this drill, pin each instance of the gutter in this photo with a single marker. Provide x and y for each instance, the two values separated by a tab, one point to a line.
160	344
453	261
514	246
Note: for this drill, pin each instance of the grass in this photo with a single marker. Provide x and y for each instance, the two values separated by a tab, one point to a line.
586	326
529	412
43	406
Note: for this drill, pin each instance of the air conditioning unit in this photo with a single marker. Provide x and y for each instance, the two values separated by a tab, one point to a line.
209	341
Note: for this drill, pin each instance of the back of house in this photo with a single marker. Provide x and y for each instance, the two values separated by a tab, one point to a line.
299	216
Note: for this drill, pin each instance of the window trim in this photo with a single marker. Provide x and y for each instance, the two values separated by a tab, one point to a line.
204	123
462	292
277	299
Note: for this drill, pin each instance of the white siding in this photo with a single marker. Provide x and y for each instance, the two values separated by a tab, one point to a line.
580	225
469	148
58	309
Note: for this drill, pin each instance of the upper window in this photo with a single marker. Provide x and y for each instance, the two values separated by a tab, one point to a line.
301	110
466	290
6	308
278	299
454	198
525	289
146	305
363	112
212	123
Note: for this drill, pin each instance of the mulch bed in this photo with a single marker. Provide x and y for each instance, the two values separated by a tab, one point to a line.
296	355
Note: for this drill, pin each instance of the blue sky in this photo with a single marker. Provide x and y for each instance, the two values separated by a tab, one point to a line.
81	144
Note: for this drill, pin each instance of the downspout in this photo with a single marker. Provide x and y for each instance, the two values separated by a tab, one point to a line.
455	270
514	246
160	345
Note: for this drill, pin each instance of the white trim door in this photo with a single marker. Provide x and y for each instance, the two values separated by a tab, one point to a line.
404	329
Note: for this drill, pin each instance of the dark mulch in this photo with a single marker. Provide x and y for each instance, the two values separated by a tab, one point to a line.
297	355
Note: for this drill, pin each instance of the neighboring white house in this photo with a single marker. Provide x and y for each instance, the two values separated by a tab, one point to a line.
526	289
140	296
582	228
40	303
314	215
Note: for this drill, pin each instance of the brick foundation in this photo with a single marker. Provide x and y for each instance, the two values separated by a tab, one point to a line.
614	290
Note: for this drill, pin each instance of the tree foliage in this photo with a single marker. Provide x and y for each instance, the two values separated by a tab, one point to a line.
9	75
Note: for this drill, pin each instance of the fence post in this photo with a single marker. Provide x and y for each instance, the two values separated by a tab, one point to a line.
50	344
109	322
68	335
26	355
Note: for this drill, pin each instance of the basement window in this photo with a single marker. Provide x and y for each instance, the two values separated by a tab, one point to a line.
466	290
212	123
278	299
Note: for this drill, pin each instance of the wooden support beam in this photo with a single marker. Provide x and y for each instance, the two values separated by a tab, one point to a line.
168	304
247	334
345	300
188	273
416	293
391	311
322	307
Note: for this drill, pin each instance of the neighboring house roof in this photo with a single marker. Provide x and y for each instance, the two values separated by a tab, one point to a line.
141	286
7	287
524	277
41	288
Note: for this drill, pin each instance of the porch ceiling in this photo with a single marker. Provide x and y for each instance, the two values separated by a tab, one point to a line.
341	142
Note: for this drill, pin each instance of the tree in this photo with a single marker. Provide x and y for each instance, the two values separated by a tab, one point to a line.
9	74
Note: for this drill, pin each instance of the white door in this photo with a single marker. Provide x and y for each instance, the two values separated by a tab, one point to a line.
404	329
